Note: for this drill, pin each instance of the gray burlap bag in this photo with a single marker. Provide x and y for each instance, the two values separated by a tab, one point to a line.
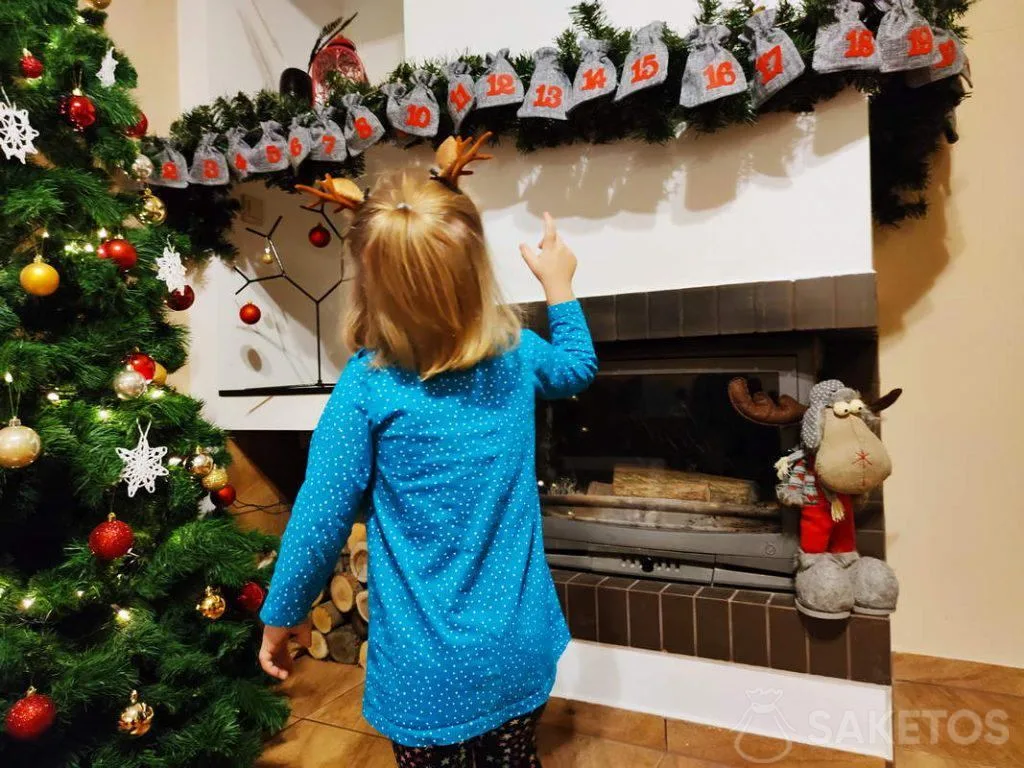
239	152
711	72
550	92
271	152
413	109
905	38
209	166
300	143
169	169
845	44
647	62
777	62
596	75
362	128
460	93
952	60
327	137
499	85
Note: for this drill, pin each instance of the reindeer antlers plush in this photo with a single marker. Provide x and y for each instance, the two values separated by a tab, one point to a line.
345	193
455	154
761	409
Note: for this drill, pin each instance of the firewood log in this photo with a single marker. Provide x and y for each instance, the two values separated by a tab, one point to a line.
343	560
343	645
660	483
358	536
319	599
326	617
318	647
296	649
343	591
359	565
363	605
359	624
362	654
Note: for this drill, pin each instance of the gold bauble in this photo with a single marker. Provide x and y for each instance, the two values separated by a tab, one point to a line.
142	168
153	209
100	5
19	445
137	717
129	384
39	278
202	464
215	479
267	257
160	375
212	606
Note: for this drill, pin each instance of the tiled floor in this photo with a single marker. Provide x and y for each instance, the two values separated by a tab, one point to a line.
327	729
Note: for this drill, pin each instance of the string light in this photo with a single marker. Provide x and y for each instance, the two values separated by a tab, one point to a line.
89	248
8	378
175	461
123	615
46	234
27	602
156	394
53	397
102	234
103	414
3	591
79	593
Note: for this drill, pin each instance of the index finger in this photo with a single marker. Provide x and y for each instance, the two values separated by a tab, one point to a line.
550	231
267	662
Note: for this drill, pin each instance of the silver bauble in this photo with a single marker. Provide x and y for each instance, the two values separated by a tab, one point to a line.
19	445
142	168
129	384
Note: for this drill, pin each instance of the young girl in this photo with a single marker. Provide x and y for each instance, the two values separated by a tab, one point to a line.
432	423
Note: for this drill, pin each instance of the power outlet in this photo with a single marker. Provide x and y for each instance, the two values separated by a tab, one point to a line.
252	209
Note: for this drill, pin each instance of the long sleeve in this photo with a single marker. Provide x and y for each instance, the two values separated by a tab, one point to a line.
338	473
567	365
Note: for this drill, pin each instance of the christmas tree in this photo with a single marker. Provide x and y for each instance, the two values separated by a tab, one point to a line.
127	594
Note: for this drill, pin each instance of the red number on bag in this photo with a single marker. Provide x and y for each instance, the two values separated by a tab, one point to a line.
645	68
417	116
169	171
295	147
240	162
210	169
721	77
329	141
363	128
459	97
501	85
948	51
769	65
549	96
862	44
594	79
273	154
921	41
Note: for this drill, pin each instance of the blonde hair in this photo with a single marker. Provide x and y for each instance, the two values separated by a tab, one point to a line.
425	297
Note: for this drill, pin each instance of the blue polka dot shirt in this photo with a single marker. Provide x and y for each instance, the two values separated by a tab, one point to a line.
465	629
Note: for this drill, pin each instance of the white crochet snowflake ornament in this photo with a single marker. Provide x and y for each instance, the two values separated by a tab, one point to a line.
143	464
107	74
16	133
171	270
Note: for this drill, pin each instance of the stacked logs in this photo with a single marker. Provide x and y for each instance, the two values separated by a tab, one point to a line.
341	613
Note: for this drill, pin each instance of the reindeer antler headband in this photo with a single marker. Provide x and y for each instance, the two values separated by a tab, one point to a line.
452	157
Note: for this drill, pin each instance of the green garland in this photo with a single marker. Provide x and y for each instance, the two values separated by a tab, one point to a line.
906	124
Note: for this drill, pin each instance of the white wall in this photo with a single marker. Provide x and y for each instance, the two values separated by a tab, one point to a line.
788	198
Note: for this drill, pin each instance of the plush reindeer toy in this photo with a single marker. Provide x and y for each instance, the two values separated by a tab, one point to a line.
839	461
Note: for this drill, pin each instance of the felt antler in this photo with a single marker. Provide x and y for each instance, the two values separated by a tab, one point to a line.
345	193
455	154
761	409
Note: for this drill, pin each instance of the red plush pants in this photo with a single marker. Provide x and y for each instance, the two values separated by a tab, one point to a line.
820	533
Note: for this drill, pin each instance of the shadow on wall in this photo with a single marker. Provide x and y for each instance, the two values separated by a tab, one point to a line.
910	258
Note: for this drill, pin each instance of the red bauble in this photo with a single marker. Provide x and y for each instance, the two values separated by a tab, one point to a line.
223	497
30	717
179	301
79	110
138	130
320	236
143	364
31	67
251	597
111	540
250	314
119	251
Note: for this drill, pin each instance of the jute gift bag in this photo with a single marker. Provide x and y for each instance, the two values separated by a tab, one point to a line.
550	90
460	93
905	38
777	62
499	85
362	128
712	72
413	110
300	143
328	138
845	44
169	169
596	75
647	62
209	166
271	152
952	61
239	152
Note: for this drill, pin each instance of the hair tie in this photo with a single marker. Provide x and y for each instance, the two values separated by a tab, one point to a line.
402	207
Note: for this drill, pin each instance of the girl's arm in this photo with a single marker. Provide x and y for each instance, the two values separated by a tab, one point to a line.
568	364
338	473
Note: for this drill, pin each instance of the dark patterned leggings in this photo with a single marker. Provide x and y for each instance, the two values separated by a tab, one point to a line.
512	745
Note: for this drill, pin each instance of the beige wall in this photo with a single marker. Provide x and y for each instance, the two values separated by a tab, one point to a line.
148	33
951	297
